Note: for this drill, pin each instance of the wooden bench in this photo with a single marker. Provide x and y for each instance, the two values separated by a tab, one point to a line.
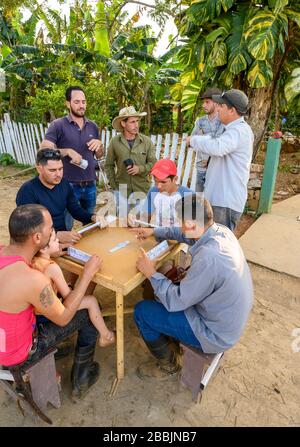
197	369
34	386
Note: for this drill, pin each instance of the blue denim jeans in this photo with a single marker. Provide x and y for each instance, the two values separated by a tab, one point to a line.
50	334
226	216
153	320
86	196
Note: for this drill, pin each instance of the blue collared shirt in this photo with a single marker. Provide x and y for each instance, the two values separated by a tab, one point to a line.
65	133
216	294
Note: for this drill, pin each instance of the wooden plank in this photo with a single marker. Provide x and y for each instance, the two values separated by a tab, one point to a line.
158	147
187	169
7	140
35	144
120	334
194	176
107	139
2	145
181	157
42	131
174	146
37	135
19	144
26	153
23	142
167	145
153	139
103	137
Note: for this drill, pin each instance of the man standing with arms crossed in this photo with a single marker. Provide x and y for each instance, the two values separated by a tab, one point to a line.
77	138
208	124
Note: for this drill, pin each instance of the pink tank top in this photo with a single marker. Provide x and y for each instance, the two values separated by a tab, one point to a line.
15	328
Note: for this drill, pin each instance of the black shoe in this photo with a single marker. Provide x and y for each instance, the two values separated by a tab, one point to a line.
63	349
85	372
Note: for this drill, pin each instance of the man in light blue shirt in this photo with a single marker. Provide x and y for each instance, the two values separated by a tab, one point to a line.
210	307
230	158
208	124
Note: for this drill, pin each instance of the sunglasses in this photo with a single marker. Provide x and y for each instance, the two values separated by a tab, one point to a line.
50	153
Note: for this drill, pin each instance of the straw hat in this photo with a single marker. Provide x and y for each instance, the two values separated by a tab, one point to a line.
123	114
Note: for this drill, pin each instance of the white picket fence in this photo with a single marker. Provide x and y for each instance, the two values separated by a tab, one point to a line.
22	142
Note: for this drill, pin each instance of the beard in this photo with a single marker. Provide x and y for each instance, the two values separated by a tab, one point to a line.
77	113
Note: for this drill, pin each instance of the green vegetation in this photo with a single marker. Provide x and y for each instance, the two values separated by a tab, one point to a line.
254	46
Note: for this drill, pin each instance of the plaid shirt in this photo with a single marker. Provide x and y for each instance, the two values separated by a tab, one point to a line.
205	126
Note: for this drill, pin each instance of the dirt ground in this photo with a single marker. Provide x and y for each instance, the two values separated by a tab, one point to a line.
257	384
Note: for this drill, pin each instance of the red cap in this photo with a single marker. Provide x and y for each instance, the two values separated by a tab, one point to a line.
164	168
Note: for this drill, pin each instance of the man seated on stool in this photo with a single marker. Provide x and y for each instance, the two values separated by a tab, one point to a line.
210	307
24	290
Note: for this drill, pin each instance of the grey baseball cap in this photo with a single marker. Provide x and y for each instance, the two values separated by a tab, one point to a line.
233	98
210	92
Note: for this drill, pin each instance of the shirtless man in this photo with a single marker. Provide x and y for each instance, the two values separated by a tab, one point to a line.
24	290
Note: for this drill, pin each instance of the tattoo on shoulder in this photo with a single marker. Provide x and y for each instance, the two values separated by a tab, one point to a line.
46	296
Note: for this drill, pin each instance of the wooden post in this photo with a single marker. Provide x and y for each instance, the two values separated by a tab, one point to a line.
120	334
269	178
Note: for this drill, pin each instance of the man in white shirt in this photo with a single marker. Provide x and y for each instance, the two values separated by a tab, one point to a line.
230	158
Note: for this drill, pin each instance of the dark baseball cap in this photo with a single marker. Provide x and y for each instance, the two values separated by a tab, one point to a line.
210	92
233	98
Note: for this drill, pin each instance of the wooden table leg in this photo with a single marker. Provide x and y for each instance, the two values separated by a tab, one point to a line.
120	342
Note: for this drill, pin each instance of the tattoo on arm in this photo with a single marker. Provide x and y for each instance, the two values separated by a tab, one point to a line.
46	296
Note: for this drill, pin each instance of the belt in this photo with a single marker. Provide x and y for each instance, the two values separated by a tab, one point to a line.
83	184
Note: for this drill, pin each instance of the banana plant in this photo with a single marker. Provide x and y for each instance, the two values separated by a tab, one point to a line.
248	45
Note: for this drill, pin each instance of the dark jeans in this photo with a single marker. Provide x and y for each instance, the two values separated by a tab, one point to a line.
86	196
226	216
154	320
200	180
50	335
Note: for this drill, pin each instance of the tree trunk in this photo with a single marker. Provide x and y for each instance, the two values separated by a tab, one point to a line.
277	123
179	126
260	100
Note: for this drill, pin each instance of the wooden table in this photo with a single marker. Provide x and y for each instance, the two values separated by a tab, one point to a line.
119	272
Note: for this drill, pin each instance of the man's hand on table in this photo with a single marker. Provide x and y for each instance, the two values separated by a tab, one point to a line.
145	265
68	237
92	266
142	233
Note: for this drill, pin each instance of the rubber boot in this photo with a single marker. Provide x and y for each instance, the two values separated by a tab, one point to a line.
85	371
165	365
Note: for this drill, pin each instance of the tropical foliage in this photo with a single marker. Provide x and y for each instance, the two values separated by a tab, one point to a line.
254	46
246	44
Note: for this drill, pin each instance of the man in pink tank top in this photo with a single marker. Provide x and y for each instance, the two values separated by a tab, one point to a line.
23	288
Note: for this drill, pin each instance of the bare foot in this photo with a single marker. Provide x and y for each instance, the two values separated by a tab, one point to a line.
108	339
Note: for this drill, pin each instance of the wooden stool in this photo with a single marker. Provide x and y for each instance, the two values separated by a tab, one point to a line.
197	369
43	385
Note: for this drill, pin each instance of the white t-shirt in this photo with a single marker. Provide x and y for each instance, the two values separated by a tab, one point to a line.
164	205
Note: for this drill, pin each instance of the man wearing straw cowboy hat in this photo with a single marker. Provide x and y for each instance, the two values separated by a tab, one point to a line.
131	152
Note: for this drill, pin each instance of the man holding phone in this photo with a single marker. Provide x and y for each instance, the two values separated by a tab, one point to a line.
78	140
131	152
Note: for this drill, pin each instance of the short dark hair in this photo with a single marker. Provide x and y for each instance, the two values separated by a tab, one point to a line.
46	154
70	89
24	221
193	206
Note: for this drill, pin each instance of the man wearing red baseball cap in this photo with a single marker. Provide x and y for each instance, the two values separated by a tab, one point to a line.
159	207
